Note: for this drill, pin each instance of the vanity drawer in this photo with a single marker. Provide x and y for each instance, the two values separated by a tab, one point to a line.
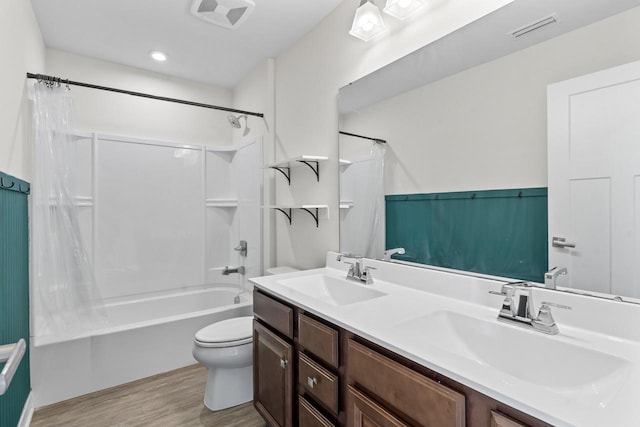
319	339
318	382
274	313
308	416
418	397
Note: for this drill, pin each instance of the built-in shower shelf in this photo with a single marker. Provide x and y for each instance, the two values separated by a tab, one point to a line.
346	204
345	162
313	210
284	166
222	203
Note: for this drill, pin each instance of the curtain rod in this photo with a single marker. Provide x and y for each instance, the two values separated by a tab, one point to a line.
376	140
58	80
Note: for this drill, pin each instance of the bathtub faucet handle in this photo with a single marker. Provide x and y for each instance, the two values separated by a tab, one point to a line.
242	248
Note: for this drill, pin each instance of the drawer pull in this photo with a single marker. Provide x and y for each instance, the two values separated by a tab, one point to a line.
311	381
283	364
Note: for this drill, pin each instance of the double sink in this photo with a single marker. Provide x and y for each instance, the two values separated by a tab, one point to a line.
582	374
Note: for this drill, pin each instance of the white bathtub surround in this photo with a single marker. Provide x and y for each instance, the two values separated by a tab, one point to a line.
146	337
226	349
587	375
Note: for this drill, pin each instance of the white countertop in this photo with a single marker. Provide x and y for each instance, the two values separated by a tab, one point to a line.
419	292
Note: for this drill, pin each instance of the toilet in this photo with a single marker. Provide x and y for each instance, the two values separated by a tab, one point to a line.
225	348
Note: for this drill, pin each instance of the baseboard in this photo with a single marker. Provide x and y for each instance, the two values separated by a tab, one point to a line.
27	412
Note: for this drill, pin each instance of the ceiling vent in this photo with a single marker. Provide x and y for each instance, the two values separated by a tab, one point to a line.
551	19
225	13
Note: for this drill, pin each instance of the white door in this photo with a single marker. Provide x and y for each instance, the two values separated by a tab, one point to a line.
594	180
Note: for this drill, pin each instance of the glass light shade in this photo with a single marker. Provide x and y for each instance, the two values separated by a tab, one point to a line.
158	56
402	9
367	23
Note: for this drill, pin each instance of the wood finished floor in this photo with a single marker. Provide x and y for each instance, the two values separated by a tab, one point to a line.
171	399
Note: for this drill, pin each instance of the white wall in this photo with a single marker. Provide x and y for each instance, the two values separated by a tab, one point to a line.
22	51
256	93
120	114
308	77
486	128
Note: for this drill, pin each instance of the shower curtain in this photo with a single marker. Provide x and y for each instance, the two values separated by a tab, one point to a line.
65	300
362	226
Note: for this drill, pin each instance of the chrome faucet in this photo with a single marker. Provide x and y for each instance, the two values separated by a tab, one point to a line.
357	271
227	271
523	314
389	252
551	276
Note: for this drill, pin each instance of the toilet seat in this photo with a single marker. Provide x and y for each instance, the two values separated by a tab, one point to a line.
226	333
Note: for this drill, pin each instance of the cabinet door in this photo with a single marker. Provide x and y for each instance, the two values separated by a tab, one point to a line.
364	412
272	376
499	420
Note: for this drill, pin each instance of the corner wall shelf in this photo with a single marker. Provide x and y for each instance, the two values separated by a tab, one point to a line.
284	167
312	210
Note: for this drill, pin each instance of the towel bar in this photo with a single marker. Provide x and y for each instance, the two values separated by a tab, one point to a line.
12	355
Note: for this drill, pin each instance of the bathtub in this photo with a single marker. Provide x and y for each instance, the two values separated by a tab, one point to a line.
144	337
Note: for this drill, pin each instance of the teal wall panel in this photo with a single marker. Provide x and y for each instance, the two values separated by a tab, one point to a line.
14	290
498	232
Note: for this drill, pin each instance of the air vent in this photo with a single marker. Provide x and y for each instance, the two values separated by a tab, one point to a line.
551	19
225	13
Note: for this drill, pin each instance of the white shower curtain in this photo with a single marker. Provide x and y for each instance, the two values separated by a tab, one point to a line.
65	300
362	227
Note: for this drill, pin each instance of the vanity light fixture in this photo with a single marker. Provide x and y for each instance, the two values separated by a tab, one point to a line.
156	55
367	22
402	9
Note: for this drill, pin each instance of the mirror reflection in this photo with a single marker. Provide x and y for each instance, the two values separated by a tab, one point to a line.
467	182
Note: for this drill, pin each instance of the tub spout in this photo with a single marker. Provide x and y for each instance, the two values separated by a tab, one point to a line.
227	271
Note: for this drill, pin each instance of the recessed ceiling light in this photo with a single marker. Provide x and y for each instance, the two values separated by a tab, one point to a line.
158	56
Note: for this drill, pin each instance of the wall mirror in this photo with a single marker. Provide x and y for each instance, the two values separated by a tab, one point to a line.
462	180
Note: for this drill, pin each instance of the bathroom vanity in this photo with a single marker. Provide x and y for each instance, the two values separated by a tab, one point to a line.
331	352
309	372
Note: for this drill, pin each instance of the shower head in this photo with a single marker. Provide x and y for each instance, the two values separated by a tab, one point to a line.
235	123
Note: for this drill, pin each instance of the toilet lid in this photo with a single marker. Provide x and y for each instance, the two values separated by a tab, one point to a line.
235	331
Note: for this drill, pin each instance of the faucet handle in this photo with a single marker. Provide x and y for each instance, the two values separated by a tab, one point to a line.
553	304
352	268
544	322
366	275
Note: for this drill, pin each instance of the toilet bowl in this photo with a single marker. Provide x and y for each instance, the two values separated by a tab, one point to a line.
225	348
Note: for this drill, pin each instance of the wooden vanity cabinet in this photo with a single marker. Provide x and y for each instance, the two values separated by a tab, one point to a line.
363	411
311	373
500	420
272	376
319	381
273	360
412	396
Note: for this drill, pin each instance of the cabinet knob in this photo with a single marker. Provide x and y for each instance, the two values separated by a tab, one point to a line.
283	363
311	381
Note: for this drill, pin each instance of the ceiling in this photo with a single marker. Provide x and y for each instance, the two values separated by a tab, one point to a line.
125	31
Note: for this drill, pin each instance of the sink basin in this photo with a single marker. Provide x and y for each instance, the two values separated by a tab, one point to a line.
331	290
589	375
